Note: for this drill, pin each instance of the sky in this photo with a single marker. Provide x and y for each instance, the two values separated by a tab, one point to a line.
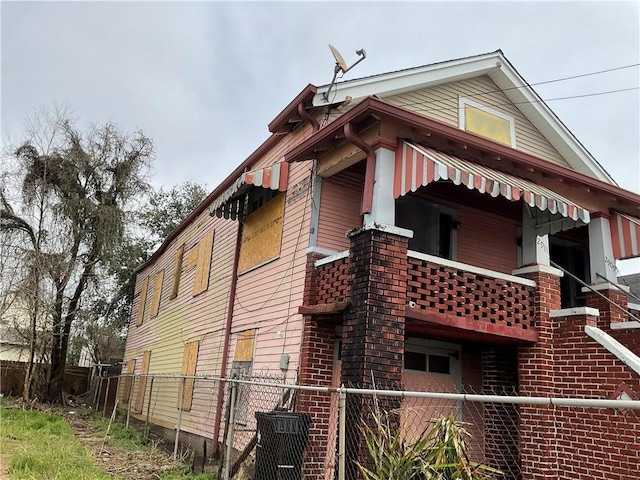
204	79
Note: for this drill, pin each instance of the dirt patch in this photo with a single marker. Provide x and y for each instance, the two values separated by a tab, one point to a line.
137	465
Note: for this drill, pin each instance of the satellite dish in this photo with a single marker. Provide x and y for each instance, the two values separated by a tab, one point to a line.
340	63
341	66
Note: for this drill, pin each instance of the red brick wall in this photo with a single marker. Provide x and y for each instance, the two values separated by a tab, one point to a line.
568	443
535	378
316	367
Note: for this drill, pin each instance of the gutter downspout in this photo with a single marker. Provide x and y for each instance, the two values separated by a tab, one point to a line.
369	177
305	115
227	337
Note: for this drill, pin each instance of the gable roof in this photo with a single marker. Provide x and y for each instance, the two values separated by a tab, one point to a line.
496	66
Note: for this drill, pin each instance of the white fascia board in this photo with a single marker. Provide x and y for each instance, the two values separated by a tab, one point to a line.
393	83
543	118
625	355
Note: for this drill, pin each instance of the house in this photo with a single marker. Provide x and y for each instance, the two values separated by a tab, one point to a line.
413	229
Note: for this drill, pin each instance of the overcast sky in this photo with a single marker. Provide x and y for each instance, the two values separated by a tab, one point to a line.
203	79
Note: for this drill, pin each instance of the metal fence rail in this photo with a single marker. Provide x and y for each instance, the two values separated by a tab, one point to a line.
274	430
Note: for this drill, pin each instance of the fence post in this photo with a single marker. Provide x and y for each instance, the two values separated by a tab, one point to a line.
175	445
131	389
232	420
106	396
146	423
97	402
342	417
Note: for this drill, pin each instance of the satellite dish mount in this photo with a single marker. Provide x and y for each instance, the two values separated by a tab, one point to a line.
341	66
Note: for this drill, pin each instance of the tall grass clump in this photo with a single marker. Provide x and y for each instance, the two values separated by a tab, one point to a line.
441	453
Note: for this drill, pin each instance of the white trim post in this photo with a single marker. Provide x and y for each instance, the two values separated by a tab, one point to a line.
601	260
535	248
383	205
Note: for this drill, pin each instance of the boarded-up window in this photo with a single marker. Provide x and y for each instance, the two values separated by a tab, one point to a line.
142	388
487	122
142	301
241	368
177	270
157	293
203	266
262	234
126	385
189	362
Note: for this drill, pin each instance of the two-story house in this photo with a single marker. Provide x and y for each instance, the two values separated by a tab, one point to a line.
400	229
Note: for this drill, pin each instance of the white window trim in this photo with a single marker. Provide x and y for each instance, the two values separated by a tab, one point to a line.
463	101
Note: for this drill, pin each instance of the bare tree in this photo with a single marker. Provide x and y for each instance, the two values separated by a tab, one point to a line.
77	189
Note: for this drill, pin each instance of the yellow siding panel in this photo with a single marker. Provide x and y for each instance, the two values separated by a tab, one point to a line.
441	102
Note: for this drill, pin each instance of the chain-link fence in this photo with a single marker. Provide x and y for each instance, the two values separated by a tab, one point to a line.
264	429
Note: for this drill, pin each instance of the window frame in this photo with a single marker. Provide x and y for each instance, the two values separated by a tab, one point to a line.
462	120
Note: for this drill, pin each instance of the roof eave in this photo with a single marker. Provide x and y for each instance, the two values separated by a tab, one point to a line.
307	149
278	124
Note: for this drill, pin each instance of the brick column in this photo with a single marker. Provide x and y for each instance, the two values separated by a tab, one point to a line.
316	368
500	377
608	313
374	327
536	378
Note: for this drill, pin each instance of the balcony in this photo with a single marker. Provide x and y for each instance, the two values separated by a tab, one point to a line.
447	297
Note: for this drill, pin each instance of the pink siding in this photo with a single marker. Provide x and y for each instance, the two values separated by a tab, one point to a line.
339	209
270	308
487	240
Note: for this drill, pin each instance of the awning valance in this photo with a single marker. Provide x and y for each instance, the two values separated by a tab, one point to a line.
418	166
625	236
230	204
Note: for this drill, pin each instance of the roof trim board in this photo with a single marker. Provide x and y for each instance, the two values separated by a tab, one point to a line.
500	70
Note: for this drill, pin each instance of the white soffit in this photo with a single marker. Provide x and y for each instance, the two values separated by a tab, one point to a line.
498	68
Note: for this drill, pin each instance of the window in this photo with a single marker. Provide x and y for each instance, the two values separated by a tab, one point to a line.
177	271
432	356
142	300
261	230
157	293
146	359
241	368
573	257
434	226
486	122
189	362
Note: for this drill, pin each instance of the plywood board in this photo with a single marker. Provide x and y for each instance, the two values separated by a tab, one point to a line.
201	282
177	271
189	363
244	346
142	301
146	359
157	293
262	234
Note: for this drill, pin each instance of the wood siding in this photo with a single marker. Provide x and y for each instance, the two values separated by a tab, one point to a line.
441	103
185	317
339	209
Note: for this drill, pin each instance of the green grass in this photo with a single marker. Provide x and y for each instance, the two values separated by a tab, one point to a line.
129	440
42	445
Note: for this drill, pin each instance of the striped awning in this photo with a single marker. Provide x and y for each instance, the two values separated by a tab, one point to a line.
418	166
230	204
625	236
